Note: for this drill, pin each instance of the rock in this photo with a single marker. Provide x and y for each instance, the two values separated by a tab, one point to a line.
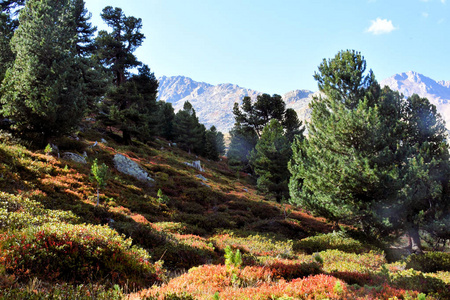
207	185
129	167
195	164
74	157
246	190
201	177
104	141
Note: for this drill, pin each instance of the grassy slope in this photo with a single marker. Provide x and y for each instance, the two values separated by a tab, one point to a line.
190	229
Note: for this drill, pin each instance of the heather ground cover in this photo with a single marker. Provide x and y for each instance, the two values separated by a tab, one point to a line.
56	243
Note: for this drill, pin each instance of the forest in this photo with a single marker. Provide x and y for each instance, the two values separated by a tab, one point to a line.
354	204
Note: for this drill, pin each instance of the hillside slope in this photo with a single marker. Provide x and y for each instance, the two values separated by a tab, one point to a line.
138	243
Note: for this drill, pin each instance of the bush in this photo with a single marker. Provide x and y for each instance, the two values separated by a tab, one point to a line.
416	280
334	240
429	262
17	212
78	253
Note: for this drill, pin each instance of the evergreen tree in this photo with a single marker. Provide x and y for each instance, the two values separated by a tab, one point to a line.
42	91
243	141
292	125
8	25
250	120
270	161
166	116
115	49
362	160
220	142
132	106
214	144
189	133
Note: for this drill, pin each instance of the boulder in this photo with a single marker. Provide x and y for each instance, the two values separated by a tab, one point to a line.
195	164
74	157
127	166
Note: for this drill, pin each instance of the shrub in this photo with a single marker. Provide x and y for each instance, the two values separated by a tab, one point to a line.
17	212
339	261
429	262
415	280
79	253
334	240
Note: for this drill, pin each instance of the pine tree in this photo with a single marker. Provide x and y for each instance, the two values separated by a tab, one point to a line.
189	133
115	49
214	144
8	24
243	141
270	161
363	160
132	106
166	116
42	91
250	120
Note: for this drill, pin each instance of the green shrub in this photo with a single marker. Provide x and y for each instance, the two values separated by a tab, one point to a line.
429	262
415	280
62	291
17	212
334	240
79	253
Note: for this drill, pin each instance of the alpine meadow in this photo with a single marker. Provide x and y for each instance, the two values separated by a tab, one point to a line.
118	184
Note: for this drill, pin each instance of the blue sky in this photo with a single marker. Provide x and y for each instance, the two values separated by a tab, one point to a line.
275	46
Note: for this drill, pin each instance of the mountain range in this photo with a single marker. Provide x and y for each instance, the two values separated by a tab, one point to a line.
214	103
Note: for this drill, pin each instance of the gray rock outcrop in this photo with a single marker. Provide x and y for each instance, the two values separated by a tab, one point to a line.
127	166
74	157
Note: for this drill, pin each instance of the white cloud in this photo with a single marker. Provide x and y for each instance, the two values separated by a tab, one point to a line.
425	14
443	1
381	26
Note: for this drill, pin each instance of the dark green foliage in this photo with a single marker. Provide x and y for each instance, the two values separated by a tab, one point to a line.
250	119
115	49
270	161
43	91
189	133
335	240
371	158
132	106
214	144
166	116
243	141
257	115
429	262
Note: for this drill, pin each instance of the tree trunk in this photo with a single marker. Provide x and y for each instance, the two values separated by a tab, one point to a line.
414	240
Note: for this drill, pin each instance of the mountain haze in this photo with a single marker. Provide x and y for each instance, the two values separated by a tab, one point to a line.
214	103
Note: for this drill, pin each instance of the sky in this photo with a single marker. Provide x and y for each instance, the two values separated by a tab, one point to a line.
275	46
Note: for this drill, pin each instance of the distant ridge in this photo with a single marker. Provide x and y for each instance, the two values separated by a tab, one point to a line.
214	103
438	92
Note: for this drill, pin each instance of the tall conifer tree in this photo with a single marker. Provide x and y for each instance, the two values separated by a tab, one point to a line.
270	161
42	91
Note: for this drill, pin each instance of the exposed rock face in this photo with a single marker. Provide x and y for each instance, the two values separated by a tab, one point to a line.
438	92
214	103
74	157
129	167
